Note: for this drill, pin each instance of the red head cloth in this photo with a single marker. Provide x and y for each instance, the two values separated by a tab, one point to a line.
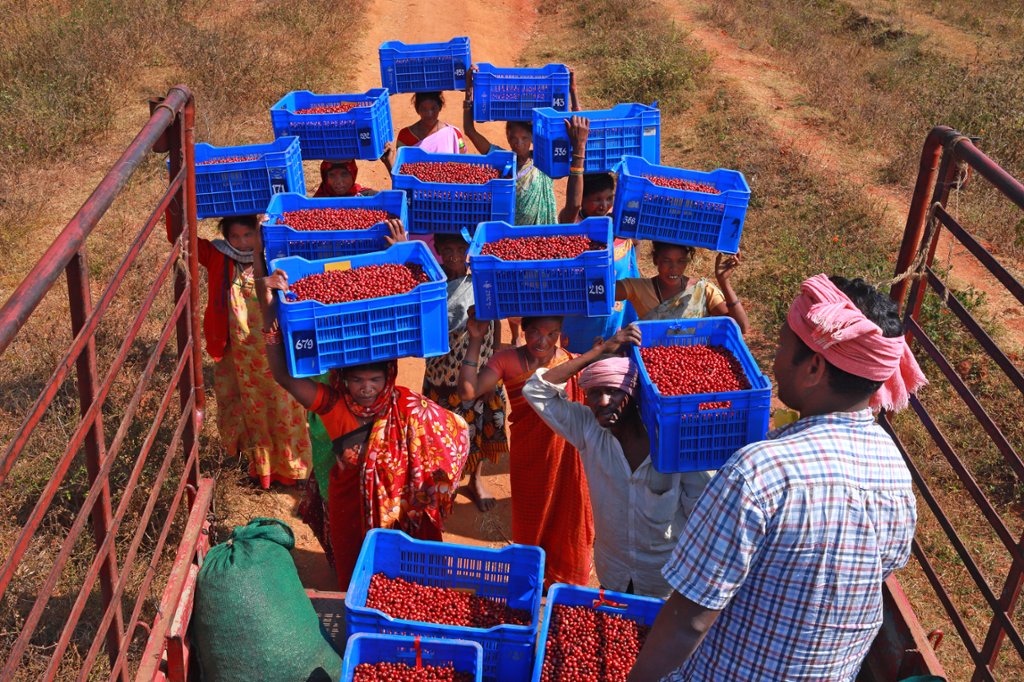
325	189
614	372
830	324
383	400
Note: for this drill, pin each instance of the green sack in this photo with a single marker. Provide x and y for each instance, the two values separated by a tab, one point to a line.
252	619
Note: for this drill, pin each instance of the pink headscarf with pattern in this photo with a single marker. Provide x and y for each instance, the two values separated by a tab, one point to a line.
830	324
615	372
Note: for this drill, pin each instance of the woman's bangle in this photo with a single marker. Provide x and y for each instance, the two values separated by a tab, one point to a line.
467	104
575	171
272	337
470	363
732	304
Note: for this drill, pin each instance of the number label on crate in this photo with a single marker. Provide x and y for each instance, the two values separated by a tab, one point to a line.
650	131
558	101
338	265
304	344
630	219
560	149
460	70
596	291
365	137
278	186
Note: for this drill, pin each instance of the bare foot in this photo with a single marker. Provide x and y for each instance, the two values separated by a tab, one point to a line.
480	493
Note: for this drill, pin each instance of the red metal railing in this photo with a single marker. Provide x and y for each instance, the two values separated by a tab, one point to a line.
946	157
112	626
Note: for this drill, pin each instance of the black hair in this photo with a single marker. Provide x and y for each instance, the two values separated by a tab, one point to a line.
368	367
597	182
878	308
657	247
531	321
525	125
421	97
449	238
250	221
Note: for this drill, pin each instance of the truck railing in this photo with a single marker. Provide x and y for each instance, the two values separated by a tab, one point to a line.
947	159
129	557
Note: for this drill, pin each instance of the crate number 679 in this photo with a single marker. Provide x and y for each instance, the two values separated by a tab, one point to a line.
304	344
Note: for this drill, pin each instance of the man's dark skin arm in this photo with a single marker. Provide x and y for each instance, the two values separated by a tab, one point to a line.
677	632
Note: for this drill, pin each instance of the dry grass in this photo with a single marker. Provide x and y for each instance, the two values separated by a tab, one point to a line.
74	77
884	89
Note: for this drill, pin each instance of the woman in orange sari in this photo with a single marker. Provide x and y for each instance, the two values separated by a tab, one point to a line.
550	499
399	455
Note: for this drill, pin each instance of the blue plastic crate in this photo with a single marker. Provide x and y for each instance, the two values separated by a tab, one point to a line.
512	574
359	133
321	336
501	94
684	437
441	207
465	657
245	187
640	609
623	130
281	241
424	67
644	210
584	285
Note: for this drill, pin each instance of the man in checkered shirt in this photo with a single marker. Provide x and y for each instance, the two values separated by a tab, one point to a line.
778	573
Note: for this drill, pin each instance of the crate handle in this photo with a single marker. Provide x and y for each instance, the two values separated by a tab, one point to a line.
601	601
679	330
654	104
465	234
617	168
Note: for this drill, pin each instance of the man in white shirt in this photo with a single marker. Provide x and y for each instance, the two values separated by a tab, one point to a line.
638	512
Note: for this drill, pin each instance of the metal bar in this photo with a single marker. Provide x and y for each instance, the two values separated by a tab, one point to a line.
80	303
40	280
187	550
32	620
79	343
140	532
1008	602
954	540
982	254
918	213
991	428
1011	371
964	149
947	177
130	485
151	501
35	517
161	621
984	506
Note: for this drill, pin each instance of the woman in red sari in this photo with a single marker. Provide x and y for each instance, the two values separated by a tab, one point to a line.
399	455
550	498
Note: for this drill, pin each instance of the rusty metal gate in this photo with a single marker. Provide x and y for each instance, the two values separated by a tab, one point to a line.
73	629
981	605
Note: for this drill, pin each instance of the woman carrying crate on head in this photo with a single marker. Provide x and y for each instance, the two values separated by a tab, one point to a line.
550	502
671	295
587	196
399	456
255	417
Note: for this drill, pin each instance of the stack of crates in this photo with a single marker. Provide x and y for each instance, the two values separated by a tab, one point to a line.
513	575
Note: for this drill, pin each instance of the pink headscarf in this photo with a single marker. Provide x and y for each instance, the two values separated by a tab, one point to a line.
615	372
830	324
